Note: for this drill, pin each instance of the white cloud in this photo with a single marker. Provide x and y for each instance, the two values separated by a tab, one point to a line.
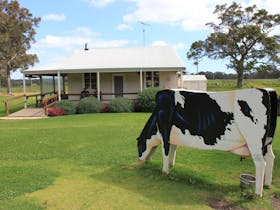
85	31
190	16
122	27
177	46
70	43
180	46
54	49
273	6
54	17
159	43
100	3
65	42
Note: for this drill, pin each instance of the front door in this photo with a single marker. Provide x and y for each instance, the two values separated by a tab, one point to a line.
118	86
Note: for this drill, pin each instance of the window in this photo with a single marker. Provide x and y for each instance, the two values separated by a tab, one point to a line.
90	81
152	79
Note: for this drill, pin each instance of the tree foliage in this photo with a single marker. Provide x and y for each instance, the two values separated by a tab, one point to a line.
17	33
244	37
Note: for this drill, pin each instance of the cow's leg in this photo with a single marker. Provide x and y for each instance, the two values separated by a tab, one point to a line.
164	124
269	158
165	108
260	169
149	157
255	148
165	162
172	155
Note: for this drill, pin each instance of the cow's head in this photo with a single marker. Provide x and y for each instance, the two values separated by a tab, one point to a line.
142	147
146	147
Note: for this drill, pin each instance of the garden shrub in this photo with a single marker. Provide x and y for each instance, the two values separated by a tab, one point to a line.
89	105
121	104
147	99
69	107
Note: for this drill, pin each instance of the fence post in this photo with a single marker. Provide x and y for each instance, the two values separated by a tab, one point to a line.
45	107
6	107
24	91
25	101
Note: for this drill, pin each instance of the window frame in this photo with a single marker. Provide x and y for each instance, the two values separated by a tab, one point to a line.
92	80
154	78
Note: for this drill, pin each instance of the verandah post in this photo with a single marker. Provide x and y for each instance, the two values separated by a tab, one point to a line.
141	78
98	86
58	86
24	91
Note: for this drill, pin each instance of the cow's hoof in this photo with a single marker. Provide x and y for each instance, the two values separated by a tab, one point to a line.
258	196
165	172
267	186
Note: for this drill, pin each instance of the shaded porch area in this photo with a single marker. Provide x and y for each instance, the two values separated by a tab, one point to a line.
75	86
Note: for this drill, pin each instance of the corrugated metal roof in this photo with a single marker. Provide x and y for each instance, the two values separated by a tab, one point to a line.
118	59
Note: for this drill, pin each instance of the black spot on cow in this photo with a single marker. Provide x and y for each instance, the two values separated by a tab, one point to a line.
269	100
246	110
202	116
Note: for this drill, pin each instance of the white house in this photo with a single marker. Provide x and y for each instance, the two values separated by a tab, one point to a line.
110	72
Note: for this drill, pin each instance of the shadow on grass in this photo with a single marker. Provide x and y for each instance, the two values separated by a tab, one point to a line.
18	180
177	188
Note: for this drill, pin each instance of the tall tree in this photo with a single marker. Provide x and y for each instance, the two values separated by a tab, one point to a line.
17	33
243	36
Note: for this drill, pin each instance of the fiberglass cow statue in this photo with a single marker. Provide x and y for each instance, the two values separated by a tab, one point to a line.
242	122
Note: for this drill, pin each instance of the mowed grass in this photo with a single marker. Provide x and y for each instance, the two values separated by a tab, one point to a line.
90	162
224	85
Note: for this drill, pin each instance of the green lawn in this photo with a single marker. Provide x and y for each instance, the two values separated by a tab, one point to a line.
222	85
90	162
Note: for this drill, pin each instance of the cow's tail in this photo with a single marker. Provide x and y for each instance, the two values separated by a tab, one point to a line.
272	116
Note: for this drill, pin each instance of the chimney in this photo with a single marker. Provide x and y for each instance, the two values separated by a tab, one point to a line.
86	47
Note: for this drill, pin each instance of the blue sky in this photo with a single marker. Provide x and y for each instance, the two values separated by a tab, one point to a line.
67	25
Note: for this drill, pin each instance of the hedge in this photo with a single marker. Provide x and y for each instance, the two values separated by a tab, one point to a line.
89	105
69	107
121	104
147	99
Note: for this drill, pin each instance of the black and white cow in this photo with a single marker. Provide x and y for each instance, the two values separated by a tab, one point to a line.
242	122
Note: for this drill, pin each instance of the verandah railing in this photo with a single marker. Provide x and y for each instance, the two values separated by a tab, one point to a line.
103	96
49	101
45	101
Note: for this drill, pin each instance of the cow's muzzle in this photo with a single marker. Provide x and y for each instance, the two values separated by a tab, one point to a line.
141	161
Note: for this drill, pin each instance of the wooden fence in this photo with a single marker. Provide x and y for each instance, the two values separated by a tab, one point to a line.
8	105
17	101
49	101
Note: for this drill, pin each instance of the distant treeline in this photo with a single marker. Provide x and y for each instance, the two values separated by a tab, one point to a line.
254	75
18	82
